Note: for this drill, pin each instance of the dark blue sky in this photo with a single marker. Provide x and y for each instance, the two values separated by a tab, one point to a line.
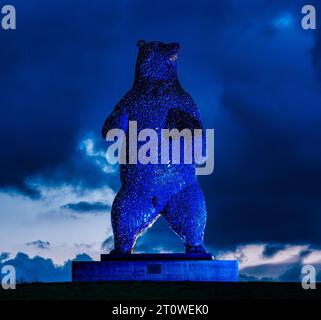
254	72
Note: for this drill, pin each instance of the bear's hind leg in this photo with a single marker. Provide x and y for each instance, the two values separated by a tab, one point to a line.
186	215
132	212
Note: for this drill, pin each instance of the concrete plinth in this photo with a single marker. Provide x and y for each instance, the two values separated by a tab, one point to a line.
155	267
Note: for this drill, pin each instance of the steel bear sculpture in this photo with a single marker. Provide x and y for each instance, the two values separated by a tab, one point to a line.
157	101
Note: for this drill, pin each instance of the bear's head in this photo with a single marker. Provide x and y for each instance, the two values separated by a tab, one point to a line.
156	60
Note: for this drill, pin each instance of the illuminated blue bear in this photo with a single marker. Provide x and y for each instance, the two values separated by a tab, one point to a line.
157	101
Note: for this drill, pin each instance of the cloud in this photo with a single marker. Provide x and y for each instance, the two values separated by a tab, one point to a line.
246	278
82	257
89	147
160	238
4	256
108	244
84	207
61	74
293	273
39	244
277	272
271	249
46	219
39	269
273	262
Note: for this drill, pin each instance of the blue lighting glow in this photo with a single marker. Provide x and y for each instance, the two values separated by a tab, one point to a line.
284	21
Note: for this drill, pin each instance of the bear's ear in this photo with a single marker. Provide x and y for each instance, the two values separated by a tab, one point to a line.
140	43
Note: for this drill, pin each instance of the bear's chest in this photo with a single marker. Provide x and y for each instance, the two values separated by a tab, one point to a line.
149	111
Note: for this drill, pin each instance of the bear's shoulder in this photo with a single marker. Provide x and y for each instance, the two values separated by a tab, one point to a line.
183	98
